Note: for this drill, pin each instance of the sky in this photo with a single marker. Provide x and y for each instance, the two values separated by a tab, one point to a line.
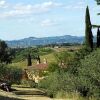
45	18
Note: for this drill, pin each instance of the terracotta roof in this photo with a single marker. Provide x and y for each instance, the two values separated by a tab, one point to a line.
41	66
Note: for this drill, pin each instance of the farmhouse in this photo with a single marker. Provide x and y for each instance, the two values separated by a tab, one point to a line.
36	72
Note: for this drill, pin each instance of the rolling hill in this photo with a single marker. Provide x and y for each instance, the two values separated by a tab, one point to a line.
33	41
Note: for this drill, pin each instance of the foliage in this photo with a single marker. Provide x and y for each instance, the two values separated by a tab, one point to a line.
53	67
78	55
89	73
21	54
98	38
6	54
15	75
12	75
29	83
56	82
88	31
64	58
86	70
81	76
98	1
3	72
45	50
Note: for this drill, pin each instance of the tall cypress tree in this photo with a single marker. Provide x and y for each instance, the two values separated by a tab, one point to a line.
98	38
88	30
29	62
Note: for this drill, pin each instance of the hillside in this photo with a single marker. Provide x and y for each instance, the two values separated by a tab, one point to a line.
33	41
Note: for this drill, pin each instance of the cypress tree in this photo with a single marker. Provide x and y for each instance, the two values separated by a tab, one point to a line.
88	30
38	58
98	38
29	62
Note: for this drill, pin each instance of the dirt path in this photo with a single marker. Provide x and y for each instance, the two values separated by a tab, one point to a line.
30	94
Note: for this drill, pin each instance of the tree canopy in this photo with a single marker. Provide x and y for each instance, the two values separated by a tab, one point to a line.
6	54
98	2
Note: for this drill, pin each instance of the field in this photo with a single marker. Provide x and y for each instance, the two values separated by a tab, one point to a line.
23	64
45	54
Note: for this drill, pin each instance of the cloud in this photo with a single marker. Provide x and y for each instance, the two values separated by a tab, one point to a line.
46	6
78	5
28	20
48	22
28	9
3	4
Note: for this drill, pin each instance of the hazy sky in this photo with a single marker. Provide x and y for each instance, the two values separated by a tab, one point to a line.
42	18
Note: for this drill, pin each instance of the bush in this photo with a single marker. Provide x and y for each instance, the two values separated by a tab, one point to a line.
57	81
29	83
3	72
89	74
53	67
64	57
86	81
13	75
76	63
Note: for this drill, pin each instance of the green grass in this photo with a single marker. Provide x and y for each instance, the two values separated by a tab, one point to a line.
47	53
23	64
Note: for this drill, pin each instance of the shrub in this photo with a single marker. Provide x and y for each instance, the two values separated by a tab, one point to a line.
53	67
29	83
64	57
76	62
57	81
89	75
13	75
86	81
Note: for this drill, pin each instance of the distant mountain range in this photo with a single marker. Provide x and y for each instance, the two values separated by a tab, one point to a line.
33	41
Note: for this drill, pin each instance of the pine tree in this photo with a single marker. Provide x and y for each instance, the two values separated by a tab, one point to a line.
98	38
29	62
88	30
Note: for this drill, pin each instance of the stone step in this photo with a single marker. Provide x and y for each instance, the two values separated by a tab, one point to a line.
29	92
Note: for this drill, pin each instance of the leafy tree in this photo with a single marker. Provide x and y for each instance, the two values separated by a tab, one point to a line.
89	72
98	38
6	54
88	31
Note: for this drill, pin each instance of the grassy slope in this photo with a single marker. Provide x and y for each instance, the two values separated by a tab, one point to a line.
50	56
23	64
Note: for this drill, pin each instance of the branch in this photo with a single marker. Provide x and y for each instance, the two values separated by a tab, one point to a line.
98	2
96	26
98	14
